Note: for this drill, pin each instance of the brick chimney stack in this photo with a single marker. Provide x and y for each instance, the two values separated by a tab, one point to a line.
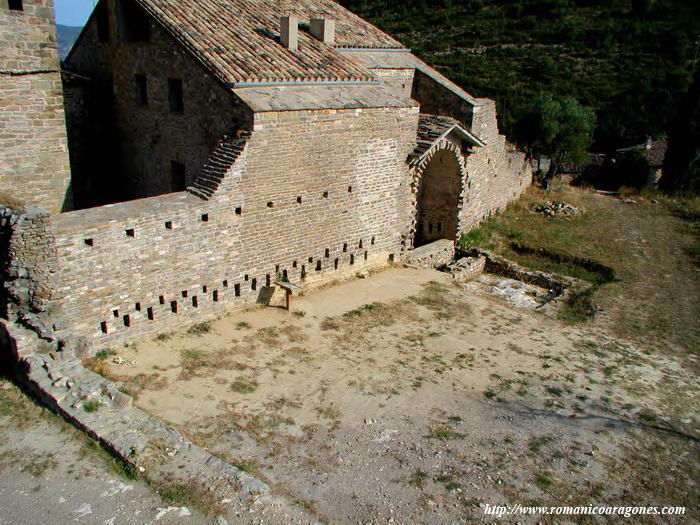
323	29
289	32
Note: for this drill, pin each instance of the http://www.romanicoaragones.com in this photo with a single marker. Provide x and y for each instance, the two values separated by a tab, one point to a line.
500	511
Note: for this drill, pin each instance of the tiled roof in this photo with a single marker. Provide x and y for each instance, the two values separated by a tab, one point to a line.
432	127
238	40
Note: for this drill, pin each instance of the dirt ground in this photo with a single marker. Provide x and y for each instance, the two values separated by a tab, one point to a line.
408	398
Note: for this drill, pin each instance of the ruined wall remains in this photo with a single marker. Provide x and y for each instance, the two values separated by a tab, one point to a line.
152	129
34	165
436	99
497	175
400	80
293	206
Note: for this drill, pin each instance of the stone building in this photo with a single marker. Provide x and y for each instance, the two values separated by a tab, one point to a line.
220	145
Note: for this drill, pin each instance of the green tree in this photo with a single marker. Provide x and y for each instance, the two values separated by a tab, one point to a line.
558	128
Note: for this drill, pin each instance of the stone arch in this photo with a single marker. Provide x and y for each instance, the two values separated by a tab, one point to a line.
438	193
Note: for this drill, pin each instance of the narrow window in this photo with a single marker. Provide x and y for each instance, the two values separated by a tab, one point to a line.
253	284
175	97
204	289
311	259
16	5
102	15
335	264
365	255
277	269
352	259
237	290
103	327
360	244
372	241
299	200
195	301
294	264
178	176
391	257
245	277
141	90
115	313
225	284
303	271
151	315
127	320
161	299
328	253
215	296
285	276
345	247
184	293
267	280
173	306
137	307
349	189
318	266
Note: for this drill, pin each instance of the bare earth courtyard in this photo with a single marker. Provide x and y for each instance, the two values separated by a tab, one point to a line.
408	398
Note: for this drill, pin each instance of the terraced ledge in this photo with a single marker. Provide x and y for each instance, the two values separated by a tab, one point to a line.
94	404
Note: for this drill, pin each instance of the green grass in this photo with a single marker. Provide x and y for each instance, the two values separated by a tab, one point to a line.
418	479
242	325
443	432
199	328
105	353
91	406
244	385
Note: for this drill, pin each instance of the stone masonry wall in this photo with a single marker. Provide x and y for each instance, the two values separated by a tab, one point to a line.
496	175
152	136
34	165
400	80
153	265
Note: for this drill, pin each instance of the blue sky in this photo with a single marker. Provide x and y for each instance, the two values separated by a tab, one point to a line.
73	12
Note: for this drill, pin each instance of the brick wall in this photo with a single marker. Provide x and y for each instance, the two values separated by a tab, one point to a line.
34	163
150	136
124	268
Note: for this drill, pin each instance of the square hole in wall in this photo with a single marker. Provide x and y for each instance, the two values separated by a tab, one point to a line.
349	189
391	257
318	266
325	194
205	217
294	264
311	259
127	320
239	210
130	232
173	306
169	225
184	293
245	277
270	204
225	284
204	289
299	200
90	242
237	290
161	299
115	313
137	307
150	314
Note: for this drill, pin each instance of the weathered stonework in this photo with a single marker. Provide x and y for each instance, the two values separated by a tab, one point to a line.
34	164
308	183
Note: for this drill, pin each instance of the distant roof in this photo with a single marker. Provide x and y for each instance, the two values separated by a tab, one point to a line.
432	128
238	40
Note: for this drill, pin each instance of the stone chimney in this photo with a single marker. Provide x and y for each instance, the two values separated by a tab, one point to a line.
323	29
289	32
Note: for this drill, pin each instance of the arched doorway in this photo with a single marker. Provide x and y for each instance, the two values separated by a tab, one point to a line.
438	199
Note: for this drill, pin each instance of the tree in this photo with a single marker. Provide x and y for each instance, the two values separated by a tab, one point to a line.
558	128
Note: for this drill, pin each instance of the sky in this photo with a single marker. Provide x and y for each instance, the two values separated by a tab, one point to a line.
73	12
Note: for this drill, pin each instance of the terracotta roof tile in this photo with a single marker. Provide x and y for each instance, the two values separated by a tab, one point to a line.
238	40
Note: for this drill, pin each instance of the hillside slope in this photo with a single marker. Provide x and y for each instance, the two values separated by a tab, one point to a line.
67	35
628	59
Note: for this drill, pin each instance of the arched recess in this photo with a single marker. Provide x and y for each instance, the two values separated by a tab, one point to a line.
438	185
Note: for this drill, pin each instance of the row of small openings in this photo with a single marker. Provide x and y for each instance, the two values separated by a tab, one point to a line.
194	299
299	199
131	232
176	100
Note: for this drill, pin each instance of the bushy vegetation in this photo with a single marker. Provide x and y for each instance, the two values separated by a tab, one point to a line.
629	60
